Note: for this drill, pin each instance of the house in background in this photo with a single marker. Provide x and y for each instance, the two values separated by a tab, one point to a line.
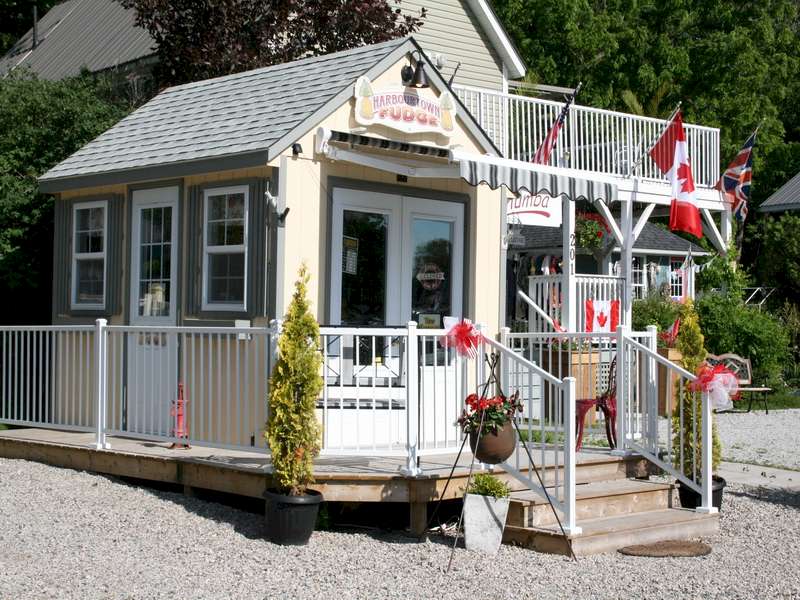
786	198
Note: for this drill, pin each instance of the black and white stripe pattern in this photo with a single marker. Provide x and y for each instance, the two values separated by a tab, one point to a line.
364	140
519	180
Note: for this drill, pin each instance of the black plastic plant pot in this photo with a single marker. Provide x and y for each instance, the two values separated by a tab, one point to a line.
691	499
290	520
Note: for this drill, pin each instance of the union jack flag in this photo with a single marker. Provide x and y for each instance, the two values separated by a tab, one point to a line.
542	156
735	181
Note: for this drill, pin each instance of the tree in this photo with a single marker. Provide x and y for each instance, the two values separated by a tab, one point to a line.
18	18
198	39
293	432
778	259
41	123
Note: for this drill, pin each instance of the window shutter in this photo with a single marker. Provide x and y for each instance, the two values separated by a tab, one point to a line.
62	253
194	251
256	249
115	239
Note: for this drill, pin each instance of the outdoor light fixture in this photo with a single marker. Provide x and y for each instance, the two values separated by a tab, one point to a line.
415	76
297	149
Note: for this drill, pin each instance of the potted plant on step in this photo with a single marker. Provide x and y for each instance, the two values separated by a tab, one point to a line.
689	404
293	432
485	512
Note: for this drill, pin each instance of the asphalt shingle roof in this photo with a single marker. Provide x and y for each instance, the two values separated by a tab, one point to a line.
78	34
786	198
652	237
235	115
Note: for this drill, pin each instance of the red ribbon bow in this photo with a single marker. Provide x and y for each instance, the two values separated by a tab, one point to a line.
463	337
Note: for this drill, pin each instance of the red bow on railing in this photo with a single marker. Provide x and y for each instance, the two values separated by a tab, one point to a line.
462	336
719	382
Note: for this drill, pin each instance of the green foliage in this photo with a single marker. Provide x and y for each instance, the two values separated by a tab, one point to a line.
41	123
656	310
199	39
778	262
17	19
690	404
723	274
731	326
293	433
486	484
588	234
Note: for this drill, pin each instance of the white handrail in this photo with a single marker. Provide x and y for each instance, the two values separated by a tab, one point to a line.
660	359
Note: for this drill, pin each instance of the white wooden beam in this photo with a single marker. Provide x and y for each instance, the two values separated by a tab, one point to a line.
626	261
606	212
642	221
710	227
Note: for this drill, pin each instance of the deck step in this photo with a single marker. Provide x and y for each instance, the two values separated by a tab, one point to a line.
593	500
607	534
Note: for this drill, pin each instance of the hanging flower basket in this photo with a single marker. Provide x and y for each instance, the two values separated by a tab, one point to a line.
492	417
590	231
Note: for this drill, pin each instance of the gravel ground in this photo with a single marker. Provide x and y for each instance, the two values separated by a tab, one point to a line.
761	439
68	534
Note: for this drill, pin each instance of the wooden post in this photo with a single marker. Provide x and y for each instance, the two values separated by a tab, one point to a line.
418	517
412	400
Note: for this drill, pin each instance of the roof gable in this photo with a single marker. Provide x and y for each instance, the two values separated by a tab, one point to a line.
242	120
786	198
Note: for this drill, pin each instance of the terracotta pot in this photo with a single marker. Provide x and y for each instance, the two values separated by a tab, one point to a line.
494	448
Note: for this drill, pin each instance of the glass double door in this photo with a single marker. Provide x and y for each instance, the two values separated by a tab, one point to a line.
395	258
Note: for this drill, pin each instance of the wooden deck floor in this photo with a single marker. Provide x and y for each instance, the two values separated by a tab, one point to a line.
339	478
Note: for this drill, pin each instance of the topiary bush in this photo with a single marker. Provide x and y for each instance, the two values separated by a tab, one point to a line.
486	484
691	345
293	432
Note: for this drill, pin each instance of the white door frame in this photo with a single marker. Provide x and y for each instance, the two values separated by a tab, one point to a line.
153	198
434	210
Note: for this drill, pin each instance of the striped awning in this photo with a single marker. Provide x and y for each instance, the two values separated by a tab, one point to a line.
519	178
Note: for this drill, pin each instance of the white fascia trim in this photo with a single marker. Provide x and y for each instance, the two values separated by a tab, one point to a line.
497	35
392	166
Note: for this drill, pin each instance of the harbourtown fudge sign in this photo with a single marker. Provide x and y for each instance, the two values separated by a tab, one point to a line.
534	209
404	109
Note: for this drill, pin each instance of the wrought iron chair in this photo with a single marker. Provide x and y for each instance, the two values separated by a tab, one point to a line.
607	403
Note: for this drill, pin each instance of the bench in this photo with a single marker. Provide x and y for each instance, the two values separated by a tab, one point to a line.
743	370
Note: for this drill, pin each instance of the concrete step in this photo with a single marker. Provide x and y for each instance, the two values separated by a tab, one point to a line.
607	534
593	500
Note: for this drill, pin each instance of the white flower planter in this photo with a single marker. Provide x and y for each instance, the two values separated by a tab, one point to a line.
484	521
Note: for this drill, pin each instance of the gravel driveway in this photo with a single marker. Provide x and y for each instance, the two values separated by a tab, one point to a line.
761	439
68	534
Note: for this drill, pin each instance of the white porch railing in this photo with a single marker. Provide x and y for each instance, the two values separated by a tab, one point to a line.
547	292
592	139
650	394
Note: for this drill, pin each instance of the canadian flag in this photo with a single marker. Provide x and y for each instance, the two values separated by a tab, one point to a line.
671	155
602	315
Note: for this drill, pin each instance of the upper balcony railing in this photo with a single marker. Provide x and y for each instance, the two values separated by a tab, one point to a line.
592	139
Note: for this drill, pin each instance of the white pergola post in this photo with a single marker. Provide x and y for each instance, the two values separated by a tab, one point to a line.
626	254
569	288
726	226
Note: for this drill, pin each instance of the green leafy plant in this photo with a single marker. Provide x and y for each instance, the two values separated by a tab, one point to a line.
656	310
689	404
486	484
495	412
729	325
293	432
588	233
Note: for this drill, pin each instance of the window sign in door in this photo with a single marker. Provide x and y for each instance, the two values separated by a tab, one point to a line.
155	254
432	272
364	250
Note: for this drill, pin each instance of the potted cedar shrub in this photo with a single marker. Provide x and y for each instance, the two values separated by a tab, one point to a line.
493	441
293	432
485	512
690	403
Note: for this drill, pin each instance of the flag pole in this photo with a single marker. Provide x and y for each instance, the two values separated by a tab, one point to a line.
639	160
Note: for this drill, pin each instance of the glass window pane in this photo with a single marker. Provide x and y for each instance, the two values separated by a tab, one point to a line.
226	278
216	208
89	281
364	247
234	233
431	293
235	206
216	234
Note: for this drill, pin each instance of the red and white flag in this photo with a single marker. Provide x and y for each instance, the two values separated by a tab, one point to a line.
602	316
671	155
